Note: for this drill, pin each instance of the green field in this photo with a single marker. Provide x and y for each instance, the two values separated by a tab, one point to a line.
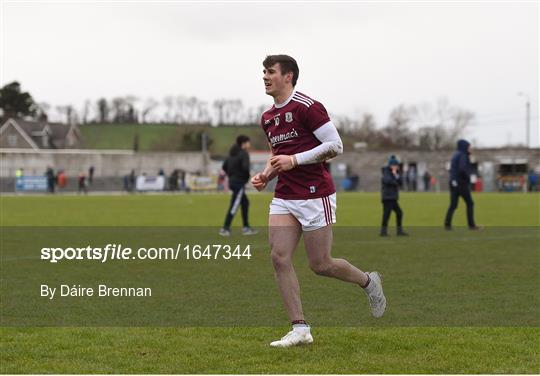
159	137
459	302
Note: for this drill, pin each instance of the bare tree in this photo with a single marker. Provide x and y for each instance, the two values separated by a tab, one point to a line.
169	103
397	132
234	111
441	125
118	109
367	130
103	110
131	114
461	119
179	104
203	114
149	105
219	106
191	109
68	112
86	111
253	114
344	123
42	111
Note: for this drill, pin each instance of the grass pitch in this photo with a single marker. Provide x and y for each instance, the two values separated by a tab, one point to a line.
432	268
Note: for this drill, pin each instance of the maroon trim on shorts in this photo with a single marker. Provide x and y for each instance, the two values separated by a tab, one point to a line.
325	213
330	208
327	210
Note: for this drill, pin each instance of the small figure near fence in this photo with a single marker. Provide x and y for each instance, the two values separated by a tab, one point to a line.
390	182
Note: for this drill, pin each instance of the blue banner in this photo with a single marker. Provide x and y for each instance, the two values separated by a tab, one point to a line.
31	184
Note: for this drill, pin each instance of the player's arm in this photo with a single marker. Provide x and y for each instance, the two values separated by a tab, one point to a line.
260	180
331	146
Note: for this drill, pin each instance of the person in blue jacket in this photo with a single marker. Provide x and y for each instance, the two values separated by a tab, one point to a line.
390	183
460	184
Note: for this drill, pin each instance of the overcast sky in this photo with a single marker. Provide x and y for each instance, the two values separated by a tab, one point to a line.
353	57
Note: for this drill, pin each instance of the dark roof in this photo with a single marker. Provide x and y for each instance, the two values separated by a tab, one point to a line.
35	129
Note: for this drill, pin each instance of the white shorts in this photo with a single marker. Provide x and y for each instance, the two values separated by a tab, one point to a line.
312	214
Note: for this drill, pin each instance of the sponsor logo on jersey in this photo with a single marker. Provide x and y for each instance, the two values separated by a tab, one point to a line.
283	137
288	117
267	121
312	189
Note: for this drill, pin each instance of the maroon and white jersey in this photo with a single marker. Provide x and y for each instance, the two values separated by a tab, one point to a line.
289	128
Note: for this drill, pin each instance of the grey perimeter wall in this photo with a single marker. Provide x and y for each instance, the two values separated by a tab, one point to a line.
110	166
367	164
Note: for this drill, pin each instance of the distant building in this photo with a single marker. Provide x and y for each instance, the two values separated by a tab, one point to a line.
23	134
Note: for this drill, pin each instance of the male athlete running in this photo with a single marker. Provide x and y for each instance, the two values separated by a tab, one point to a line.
302	139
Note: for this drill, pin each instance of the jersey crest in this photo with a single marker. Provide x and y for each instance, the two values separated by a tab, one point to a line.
288	117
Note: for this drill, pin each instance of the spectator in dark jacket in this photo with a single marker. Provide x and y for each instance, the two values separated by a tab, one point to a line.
236	166
132	181
391	180
427	181
173	181
82	183
533	181
91	175
51	179
460	184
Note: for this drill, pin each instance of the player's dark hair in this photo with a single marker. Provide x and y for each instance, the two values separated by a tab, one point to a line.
286	63
241	139
235	149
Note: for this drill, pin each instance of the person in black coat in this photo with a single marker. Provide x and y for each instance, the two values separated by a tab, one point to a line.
237	168
51	179
460	184
390	182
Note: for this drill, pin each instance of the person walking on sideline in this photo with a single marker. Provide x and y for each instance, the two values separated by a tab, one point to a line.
460	184
390	182
236	166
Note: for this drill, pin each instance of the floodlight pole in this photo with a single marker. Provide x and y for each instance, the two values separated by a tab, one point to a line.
527	118
528	121
204	147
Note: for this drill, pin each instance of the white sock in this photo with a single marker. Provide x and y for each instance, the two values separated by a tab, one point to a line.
369	288
301	327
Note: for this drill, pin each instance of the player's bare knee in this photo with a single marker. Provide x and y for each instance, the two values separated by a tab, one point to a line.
324	268
280	260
